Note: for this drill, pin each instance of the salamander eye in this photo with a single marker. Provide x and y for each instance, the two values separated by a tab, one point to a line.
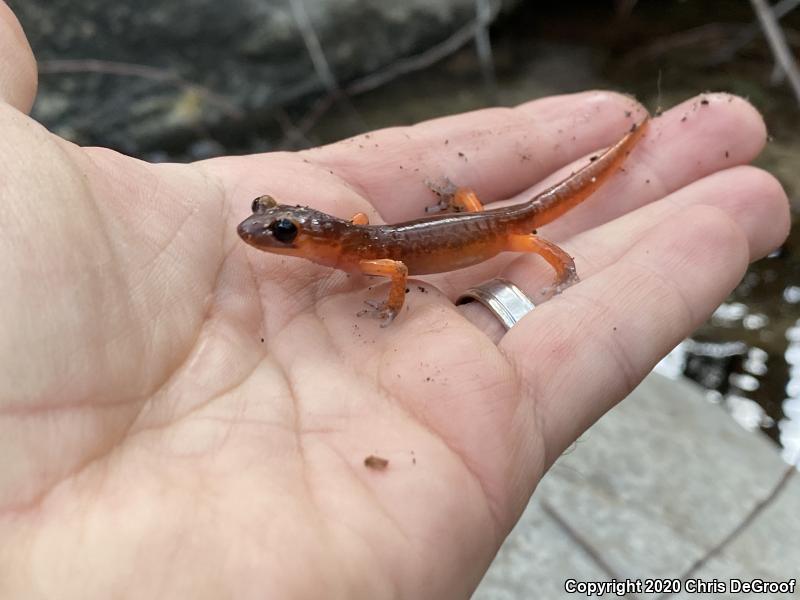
284	230
262	203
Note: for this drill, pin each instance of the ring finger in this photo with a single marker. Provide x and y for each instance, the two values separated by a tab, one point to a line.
751	197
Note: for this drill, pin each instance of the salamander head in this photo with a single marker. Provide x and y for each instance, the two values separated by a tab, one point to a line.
292	230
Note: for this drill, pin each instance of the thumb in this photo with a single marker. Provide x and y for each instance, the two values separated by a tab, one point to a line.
17	65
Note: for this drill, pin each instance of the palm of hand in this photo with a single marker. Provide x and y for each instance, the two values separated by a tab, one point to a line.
203	403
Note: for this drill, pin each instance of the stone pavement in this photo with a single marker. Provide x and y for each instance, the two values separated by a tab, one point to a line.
646	493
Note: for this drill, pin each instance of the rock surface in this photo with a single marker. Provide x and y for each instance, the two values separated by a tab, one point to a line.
172	70
659	481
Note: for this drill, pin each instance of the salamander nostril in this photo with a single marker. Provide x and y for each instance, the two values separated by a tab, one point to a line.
243	230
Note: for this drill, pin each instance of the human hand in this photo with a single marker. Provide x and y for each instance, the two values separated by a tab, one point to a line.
154	445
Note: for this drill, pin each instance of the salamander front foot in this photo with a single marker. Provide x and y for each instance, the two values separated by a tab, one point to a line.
453	199
379	310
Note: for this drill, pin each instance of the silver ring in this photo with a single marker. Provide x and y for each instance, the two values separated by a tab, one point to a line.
506	301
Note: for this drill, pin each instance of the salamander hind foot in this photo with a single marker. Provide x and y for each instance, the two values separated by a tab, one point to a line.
378	310
568	279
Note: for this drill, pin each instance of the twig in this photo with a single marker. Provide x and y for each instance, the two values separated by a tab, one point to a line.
583	543
784	7
777	43
315	113
311	40
659	108
320	62
710	33
483	47
420	61
757	509
106	67
425	59
320	107
749	33
624	7
723	40
292	134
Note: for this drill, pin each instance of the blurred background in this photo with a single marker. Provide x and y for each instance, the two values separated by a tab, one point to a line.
189	79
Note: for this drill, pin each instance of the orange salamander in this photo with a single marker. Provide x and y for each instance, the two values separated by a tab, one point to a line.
432	244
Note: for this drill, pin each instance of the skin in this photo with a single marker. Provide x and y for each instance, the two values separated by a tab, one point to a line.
154	446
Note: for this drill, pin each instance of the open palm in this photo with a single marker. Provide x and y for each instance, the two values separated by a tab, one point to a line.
183	416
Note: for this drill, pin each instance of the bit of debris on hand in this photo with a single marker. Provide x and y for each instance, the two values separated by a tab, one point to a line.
376	462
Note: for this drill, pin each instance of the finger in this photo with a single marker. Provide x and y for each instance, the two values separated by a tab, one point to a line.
583	351
720	134
695	138
17	65
753	198
498	152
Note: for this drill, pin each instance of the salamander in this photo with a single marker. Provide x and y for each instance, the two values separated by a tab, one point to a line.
463	236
